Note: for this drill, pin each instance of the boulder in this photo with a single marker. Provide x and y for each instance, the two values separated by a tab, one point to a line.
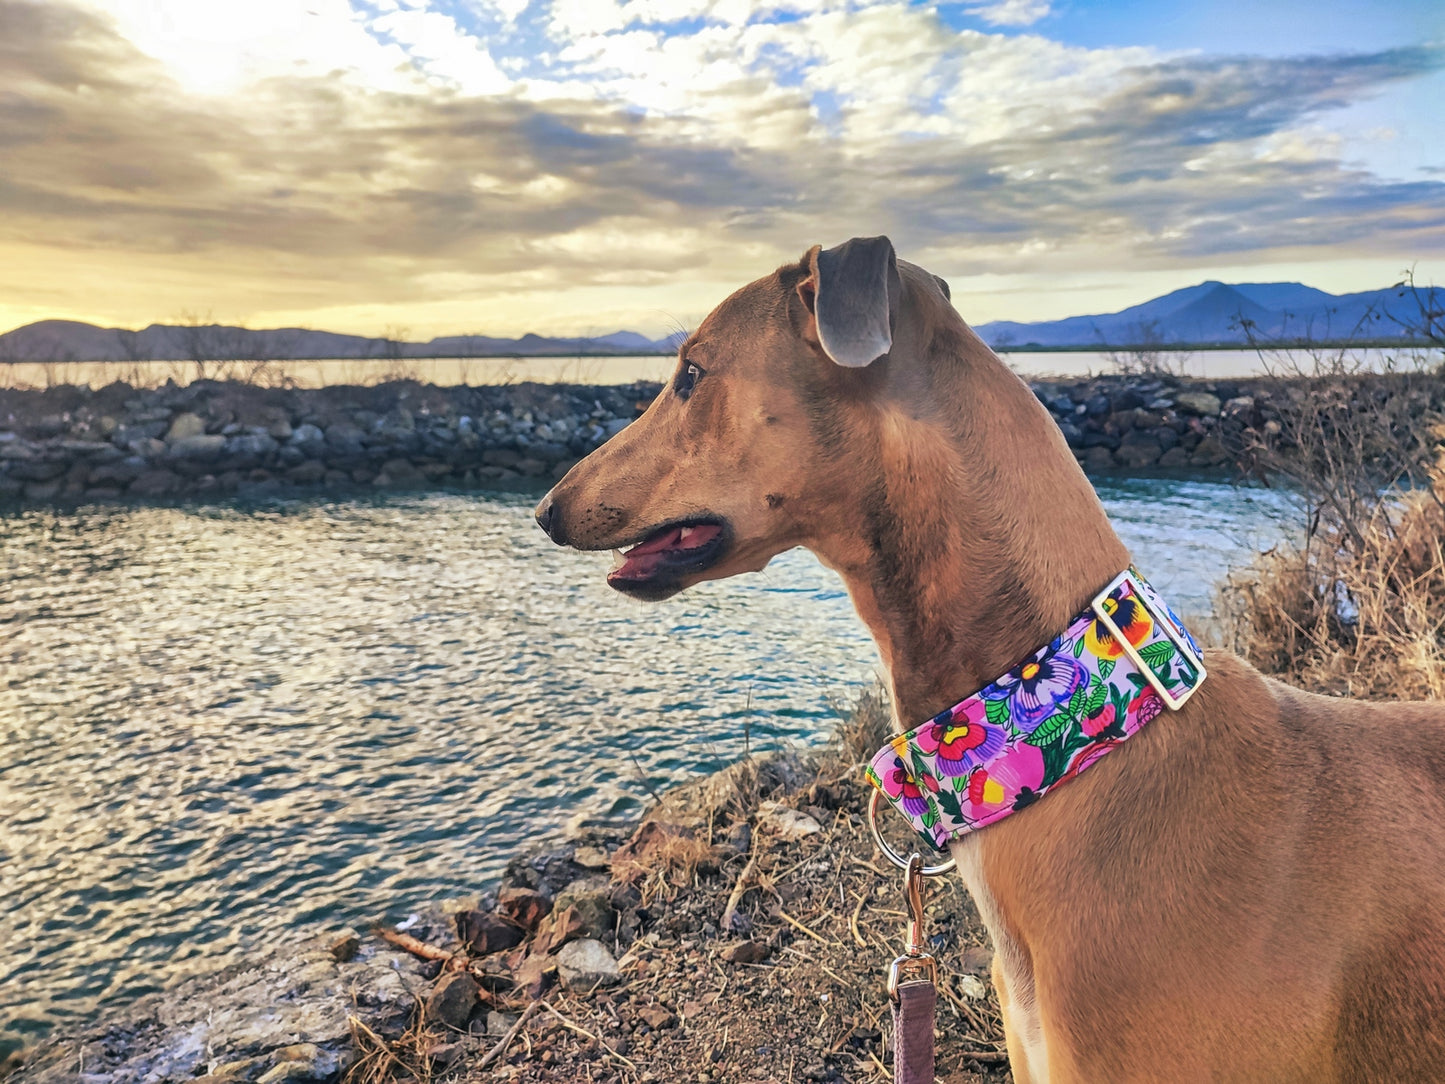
452	1000
785	823
184	426
1198	402
587	963
198	447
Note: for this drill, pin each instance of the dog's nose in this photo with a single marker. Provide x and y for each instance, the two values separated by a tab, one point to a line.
550	521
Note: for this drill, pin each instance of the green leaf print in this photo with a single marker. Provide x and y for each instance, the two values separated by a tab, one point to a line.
1106	667
1050	729
1158	656
1078	647
996	711
948	802
1098	696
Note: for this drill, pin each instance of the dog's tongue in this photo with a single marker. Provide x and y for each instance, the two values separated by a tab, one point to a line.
643	559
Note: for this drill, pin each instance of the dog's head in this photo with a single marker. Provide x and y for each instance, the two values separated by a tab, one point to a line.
771	420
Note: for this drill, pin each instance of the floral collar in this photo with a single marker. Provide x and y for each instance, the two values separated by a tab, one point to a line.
1117	666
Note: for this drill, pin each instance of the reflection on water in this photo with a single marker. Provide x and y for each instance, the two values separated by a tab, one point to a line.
223	723
447	372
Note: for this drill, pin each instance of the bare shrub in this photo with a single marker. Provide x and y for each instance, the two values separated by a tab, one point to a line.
1147	353
1357	608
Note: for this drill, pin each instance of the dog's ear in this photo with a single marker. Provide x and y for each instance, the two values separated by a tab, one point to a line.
853	292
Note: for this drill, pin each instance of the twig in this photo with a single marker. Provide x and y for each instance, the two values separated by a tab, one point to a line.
408	943
736	896
793	922
587	1034
506	1040
853	921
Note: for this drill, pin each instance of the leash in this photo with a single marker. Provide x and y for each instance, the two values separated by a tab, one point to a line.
912	987
912	977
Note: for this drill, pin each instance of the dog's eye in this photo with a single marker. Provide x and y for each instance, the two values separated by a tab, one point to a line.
688	378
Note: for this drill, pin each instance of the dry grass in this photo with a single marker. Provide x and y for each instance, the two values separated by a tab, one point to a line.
1359	608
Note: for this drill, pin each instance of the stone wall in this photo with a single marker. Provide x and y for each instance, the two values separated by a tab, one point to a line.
69	444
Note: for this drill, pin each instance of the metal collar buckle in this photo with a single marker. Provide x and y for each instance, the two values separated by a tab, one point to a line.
914	965
1164	623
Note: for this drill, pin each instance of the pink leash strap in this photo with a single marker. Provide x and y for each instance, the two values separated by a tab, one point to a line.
913	1033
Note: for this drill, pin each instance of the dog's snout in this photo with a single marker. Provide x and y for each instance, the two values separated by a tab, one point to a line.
550	521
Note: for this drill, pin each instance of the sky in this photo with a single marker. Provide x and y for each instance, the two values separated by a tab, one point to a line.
434	167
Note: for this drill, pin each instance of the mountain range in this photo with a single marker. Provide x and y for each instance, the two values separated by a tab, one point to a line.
1216	313
71	340
1211	313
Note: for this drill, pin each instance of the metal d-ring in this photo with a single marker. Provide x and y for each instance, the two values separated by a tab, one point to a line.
892	855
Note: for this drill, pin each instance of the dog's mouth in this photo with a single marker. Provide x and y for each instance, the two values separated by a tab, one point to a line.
666	554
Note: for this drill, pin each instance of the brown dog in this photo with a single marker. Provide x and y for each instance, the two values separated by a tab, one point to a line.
1251	889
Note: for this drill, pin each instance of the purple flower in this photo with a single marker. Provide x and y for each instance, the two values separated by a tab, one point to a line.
1038	688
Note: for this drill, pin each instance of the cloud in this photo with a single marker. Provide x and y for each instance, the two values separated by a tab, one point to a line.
1011	12
645	164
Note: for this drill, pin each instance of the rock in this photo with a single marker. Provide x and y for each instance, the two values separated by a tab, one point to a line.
41	491
303	1062
558	928
279	430
745	952
536	974
483	932
594	911
1072	433
1198	402
154	483
501	457
523	906
1174	458
972	987
452	1000
198	447
611	428
531	468
253	445
585	964
344	947
184	426
977	959
1208	453
308	473
308	438
499	1023
785	823
1098	458
591	857
657	1017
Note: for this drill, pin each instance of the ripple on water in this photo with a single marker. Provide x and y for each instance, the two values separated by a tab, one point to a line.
224	723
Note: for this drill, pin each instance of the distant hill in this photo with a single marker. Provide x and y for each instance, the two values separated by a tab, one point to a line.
70	340
1209	313
1215	312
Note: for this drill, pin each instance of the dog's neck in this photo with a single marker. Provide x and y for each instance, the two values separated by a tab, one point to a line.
982	537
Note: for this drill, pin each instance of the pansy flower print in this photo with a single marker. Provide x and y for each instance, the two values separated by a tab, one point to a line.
900	785
960	739
999	785
1133	621
1037	688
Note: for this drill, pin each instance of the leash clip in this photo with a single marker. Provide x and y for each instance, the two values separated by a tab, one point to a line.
915	965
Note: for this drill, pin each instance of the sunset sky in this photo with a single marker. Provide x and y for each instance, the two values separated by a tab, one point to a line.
579	166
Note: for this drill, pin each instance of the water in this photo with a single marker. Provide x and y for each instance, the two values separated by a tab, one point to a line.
224	724
446	372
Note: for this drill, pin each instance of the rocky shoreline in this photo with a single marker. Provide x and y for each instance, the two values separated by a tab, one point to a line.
73	444
741	932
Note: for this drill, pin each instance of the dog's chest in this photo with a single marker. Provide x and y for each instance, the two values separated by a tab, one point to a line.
1022	1019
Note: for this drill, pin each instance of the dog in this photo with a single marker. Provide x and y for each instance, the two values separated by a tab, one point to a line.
1252	888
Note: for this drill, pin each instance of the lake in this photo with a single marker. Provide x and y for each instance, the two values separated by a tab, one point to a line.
226	724
447	372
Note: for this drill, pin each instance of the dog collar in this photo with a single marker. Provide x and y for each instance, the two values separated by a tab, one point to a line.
1117	666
